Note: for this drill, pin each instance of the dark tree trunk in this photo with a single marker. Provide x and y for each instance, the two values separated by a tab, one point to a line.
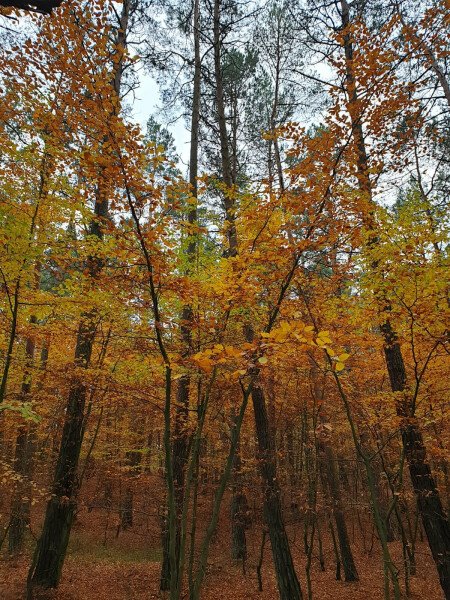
228	154
239	513
21	501
45	571
227	173
126	508
132	464
239	508
164	580
23	462
179	457
329	466
434	520
288	584
180	446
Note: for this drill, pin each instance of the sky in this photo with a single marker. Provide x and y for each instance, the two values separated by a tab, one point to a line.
147	102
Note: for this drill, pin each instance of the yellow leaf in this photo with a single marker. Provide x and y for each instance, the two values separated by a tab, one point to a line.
339	366
300	338
262	360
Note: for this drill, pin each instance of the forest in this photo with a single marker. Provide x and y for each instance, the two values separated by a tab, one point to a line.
224	299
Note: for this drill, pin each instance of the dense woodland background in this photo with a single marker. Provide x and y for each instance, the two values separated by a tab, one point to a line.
224	370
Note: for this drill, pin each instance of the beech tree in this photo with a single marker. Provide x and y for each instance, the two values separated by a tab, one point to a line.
243	343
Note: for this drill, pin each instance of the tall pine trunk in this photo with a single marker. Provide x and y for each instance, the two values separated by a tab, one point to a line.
180	445
288	584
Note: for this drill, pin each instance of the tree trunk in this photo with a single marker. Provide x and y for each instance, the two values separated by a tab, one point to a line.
23	461
239	510
45	570
223	135
434	520
288	584
21	501
329	466
180	446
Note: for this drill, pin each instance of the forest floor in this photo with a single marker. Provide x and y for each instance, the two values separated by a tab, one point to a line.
102	565
128	568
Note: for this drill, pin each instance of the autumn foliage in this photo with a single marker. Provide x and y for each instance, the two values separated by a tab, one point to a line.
244	351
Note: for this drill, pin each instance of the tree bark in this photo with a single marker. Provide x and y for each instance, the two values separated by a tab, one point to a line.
23	461
288	584
434	520
45	570
329	466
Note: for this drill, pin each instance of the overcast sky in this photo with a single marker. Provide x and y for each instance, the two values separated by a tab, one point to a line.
147	102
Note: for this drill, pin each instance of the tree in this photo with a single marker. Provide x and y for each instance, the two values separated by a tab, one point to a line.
45	571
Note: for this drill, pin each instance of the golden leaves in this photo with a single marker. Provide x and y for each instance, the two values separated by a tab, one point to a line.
219	354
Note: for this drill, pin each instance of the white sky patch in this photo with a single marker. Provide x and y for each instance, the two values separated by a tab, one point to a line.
147	102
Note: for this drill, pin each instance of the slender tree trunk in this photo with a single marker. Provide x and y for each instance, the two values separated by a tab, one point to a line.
223	135
239	509
434	520
12	338
329	466
21	501
229	172
426	51
13	298
133	459
288	584
180	447
330	470
23	460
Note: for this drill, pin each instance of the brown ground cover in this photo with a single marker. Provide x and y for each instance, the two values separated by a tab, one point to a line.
127	567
